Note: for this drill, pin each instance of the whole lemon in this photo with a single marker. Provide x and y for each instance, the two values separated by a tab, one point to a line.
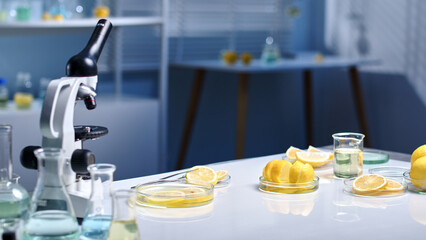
418	153
101	12
246	58
418	173
229	57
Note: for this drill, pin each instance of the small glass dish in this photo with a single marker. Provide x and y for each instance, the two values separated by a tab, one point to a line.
419	186
347	188
375	157
173	194
288	188
391	172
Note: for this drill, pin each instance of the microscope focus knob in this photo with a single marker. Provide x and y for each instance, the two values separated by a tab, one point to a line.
28	158
81	159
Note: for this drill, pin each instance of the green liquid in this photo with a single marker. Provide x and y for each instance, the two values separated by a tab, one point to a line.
124	230
51	224
3	102
348	162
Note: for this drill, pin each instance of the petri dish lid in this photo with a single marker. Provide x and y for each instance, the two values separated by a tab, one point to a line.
373	157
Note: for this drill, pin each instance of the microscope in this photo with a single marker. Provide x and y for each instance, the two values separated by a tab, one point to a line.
57	118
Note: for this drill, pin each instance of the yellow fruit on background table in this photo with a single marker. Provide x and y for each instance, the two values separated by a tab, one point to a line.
221	174
199	174
418	173
23	100
58	17
229	57
418	153
46	16
316	159
101	12
246	58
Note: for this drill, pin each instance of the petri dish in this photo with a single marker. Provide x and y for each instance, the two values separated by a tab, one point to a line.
414	185
393	172
375	157
347	188
288	188
173	194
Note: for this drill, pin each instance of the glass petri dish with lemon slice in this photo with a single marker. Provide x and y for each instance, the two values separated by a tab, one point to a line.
287	187
174	194
415	185
375	185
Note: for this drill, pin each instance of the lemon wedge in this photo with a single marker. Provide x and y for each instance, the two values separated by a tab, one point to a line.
199	174
279	171
291	153
316	159
221	174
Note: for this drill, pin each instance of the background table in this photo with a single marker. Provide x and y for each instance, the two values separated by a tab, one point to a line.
304	64
241	211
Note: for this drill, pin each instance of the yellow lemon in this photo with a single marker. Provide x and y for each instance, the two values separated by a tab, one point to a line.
418	153
221	174
291	153
246	58
101	12
280	171
295	171
316	159
201	174
368	183
58	17
418	173
46	16
229	57
307	174
313	149
267	170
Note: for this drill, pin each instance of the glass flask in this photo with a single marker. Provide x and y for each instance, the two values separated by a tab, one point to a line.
124	225
50	215
271	52
13	197
98	215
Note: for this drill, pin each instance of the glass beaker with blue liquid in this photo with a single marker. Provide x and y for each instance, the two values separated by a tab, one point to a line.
51	215
98	215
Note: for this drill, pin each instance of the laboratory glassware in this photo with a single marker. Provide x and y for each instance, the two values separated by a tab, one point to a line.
124	225
348	154
98	216
24	91
13	197
4	93
271	52
50	215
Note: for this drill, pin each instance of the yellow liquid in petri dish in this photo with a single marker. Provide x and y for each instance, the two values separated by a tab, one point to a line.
170	196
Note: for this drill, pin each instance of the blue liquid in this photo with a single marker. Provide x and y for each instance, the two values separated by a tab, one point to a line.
95	227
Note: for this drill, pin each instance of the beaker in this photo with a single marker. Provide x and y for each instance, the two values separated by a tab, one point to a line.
97	219
124	225
348	154
13	197
24	91
51	215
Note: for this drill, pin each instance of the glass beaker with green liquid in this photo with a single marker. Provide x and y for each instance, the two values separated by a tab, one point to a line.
348	154
13	197
124	225
51	215
98	215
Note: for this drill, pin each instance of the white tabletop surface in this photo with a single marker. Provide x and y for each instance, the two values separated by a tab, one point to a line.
241	211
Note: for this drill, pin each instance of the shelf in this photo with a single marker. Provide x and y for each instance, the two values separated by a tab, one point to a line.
77	24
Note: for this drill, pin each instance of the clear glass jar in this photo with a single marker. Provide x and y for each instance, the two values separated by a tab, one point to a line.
23	10
98	215
51	215
24	91
13	197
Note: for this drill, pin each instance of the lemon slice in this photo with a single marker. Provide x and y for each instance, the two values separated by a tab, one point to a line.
221	174
368	183
166	197
393	186
199	174
313	149
316	159
291	153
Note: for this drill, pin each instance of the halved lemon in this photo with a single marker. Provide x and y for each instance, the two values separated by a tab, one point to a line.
368	183
291	153
221	174
316	159
199	174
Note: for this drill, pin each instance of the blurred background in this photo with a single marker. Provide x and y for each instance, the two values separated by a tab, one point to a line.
143	94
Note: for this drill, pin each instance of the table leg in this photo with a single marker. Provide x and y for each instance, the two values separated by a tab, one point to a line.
197	86
307	76
241	114
357	91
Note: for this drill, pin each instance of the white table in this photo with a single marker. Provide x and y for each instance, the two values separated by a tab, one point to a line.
241	211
